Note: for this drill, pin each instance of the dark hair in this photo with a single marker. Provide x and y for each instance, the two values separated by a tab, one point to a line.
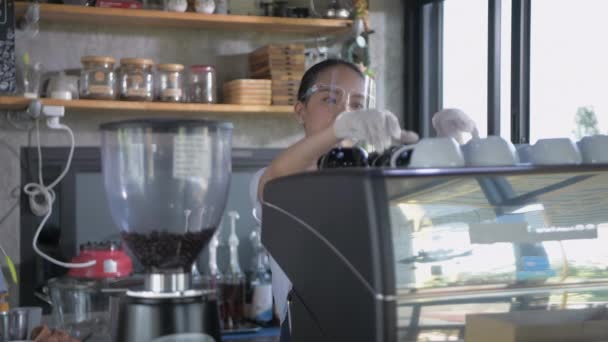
310	76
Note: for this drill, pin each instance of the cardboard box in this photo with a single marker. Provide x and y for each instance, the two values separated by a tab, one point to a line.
527	326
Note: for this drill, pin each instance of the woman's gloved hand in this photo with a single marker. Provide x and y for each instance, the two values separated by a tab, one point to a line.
451	122
380	128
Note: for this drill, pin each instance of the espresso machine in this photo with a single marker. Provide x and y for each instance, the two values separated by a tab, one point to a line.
401	255
167	183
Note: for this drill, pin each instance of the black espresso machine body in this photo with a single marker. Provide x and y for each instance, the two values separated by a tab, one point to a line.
369	251
330	244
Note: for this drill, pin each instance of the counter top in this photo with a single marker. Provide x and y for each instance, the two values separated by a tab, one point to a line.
263	335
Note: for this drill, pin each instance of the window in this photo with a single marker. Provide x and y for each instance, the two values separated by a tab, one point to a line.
505	70
465	59
550	70
467	65
568	68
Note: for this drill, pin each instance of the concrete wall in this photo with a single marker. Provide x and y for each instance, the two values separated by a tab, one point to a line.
59	46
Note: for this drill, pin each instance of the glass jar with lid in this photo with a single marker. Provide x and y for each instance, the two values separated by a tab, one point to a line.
170	82
136	79
97	78
202	87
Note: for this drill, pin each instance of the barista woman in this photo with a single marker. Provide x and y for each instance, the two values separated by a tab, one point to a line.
332	106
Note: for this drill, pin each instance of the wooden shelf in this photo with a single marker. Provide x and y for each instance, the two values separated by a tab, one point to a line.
127	107
132	17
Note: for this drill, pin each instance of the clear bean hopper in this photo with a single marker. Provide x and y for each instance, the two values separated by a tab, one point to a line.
167	183
405	255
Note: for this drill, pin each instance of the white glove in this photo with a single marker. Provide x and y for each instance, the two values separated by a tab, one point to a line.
451	122
376	127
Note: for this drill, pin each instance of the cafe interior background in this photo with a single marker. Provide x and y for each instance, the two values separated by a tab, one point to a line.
522	69
59	46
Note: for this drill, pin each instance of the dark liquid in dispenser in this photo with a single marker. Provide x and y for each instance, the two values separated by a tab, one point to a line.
164	250
232	305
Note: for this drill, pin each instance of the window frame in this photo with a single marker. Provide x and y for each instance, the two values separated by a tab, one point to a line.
520	72
424	66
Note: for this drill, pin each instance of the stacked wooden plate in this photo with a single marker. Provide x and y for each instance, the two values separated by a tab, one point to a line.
284	65
248	91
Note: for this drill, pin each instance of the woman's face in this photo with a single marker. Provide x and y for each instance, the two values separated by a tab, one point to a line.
335	90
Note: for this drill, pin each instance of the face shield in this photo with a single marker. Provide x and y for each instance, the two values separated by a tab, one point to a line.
337	90
343	90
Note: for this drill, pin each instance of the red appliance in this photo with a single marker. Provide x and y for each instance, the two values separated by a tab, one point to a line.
112	261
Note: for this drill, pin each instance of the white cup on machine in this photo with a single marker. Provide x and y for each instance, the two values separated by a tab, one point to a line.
555	151
490	151
524	152
594	149
432	152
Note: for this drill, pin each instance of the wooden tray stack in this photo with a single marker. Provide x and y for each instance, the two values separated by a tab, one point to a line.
248	92
284	65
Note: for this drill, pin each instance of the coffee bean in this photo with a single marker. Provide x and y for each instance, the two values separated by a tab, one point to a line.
162	250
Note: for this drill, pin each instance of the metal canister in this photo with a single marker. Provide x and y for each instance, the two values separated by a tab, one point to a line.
4	314
4	326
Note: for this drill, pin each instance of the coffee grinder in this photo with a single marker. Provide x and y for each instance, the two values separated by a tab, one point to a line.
167	183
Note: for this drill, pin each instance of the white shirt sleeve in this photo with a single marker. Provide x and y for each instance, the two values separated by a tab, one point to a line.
280	283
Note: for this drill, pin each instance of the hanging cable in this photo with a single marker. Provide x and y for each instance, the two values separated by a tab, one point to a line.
35	190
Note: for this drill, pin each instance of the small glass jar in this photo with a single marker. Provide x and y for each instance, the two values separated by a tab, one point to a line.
136	79
202	87
170	82
97	78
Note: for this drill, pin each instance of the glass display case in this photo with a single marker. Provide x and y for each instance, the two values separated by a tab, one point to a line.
406	255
